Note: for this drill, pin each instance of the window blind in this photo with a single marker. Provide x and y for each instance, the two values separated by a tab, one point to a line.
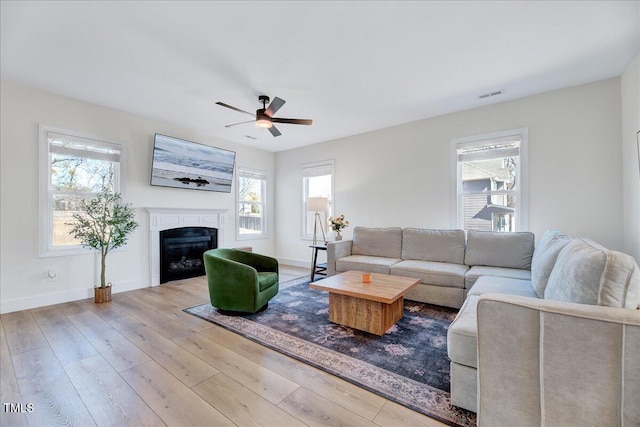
81	147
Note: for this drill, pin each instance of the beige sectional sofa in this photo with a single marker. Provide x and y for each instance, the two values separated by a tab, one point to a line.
446	262
545	336
560	349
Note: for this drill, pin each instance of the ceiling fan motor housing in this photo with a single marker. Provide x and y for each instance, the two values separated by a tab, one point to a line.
262	119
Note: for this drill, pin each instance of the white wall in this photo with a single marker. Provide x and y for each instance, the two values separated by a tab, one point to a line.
582	179
630	84
401	176
23	276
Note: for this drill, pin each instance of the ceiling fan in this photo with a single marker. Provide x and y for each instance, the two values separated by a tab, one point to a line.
264	116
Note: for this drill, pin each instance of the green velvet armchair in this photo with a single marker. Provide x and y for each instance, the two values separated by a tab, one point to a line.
239	281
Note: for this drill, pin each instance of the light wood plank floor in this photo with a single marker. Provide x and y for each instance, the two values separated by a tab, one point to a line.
140	360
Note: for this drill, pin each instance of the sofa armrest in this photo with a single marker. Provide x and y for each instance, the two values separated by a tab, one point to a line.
335	251
543	362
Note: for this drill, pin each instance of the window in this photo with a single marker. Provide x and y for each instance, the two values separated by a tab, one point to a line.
73	168
252	196
491	181
317	181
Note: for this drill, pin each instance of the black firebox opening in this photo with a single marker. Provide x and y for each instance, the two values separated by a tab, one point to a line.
181	251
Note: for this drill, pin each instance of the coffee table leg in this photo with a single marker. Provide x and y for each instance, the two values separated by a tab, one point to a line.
365	315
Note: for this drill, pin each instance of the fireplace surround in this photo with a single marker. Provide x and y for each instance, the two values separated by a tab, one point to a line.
161	219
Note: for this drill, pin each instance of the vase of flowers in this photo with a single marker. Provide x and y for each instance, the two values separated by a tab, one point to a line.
337	224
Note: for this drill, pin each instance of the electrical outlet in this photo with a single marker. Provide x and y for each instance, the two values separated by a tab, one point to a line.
51	275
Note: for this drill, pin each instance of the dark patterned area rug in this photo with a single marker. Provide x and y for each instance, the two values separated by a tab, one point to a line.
408	365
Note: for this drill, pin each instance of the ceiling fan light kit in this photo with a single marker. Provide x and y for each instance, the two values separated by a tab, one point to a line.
264	116
264	122
262	119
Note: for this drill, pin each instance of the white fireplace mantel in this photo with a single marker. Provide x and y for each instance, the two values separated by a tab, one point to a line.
167	218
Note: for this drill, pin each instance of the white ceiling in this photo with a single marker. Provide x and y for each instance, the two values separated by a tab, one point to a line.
352	67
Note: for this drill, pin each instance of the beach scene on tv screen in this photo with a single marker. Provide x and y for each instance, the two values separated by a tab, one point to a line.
183	164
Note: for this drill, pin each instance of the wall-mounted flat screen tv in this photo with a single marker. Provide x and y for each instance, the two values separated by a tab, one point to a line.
184	164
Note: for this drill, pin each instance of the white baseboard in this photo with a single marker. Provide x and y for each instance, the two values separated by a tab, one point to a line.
26	303
294	263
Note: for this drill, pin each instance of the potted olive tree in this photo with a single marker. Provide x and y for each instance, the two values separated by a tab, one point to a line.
103	224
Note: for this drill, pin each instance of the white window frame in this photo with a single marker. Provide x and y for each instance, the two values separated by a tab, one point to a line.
257	174
45	245
522	192
309	170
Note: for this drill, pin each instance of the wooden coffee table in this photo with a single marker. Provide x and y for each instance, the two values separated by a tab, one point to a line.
372	307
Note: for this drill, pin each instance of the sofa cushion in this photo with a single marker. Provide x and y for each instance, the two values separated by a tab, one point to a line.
266	279
494	249
477	271
433	245
432	273
381	242
587	273
503	285
462	338
371	264
544	258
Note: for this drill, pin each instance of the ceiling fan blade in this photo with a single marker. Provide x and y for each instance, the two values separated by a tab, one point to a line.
241	123
274	131
292	121
222	104
274	106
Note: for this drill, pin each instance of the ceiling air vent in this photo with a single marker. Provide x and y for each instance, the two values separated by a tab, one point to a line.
490	94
